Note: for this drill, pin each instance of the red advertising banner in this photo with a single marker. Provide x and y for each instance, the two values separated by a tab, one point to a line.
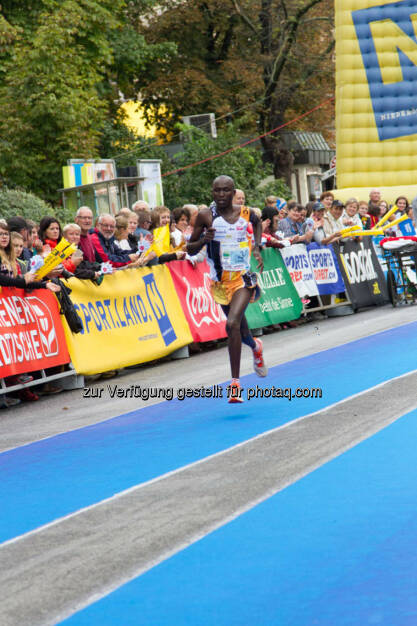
31	332
192	284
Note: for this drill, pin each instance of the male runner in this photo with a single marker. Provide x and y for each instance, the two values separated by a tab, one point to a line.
226	229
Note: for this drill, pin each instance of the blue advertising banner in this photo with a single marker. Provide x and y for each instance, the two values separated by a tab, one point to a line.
326	269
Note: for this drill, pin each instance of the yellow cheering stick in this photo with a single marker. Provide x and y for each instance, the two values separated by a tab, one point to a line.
383	219
62	251
372	233
351	230
395	222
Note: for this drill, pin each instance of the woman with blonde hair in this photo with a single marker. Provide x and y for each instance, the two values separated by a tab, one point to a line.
125	240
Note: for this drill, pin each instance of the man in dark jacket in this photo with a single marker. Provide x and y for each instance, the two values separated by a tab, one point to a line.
103	242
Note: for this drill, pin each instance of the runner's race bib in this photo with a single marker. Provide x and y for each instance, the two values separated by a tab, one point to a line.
235	256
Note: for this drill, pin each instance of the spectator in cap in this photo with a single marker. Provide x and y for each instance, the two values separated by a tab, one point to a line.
319	236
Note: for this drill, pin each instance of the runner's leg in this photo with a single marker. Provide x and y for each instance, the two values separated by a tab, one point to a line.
236	311
245	333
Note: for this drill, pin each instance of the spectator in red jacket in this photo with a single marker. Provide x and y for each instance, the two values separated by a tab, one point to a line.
84	219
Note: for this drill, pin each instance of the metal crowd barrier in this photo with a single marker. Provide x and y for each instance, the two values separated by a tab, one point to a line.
69	379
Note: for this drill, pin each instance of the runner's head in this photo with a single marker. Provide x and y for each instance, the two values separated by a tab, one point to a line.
223	191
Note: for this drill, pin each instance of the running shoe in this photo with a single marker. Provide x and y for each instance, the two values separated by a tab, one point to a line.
235	393
258	359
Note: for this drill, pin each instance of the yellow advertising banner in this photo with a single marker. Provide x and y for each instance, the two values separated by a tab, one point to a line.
376	97
134	316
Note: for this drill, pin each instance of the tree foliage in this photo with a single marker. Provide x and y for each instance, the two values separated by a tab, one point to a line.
272	57
16	202
65	66
62	67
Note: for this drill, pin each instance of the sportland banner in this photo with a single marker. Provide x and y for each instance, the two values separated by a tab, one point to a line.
279	301
297	261
326	272
204	316
362	273
31	332
134	316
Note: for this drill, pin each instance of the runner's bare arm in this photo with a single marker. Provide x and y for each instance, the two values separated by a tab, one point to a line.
202	225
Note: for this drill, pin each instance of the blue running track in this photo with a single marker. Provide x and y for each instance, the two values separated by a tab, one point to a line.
316	553
337	548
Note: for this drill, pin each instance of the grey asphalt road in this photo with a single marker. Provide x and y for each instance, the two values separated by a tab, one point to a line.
51	573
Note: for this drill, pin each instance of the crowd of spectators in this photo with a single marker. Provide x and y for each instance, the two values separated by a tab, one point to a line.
109	243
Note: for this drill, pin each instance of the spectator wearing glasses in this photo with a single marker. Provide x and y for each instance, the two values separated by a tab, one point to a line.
84	219
104	243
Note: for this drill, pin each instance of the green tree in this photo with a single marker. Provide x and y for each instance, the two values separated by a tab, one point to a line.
49	104
63	65
272	57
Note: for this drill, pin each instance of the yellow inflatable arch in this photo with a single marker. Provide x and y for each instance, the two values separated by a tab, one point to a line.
376	98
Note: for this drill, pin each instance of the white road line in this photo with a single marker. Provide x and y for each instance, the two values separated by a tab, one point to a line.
139	486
